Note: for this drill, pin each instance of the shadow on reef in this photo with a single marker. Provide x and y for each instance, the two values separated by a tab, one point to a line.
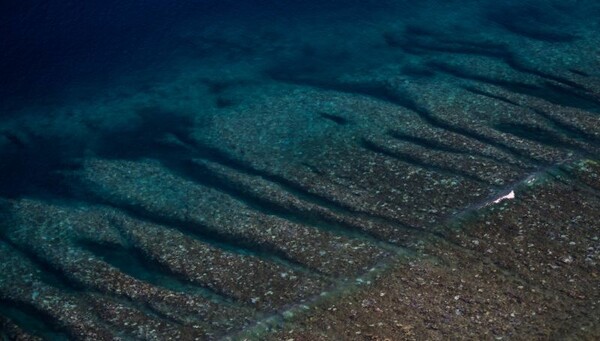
33	163
544	22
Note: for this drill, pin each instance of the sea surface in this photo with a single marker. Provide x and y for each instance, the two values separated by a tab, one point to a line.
201	169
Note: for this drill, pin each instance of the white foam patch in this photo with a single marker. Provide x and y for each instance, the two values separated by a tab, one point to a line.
509	196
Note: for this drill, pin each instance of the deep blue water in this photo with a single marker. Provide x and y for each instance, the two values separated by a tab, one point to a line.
51	46
55	44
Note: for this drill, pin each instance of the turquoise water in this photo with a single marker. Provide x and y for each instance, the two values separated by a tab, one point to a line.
155	147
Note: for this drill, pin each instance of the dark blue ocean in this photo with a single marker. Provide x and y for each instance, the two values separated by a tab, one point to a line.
207	169
56	45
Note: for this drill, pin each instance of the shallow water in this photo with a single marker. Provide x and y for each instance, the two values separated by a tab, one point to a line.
199	166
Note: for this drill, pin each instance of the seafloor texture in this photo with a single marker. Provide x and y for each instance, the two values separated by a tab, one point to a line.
403	172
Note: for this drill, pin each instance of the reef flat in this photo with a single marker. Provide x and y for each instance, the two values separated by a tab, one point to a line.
523	269
351	176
